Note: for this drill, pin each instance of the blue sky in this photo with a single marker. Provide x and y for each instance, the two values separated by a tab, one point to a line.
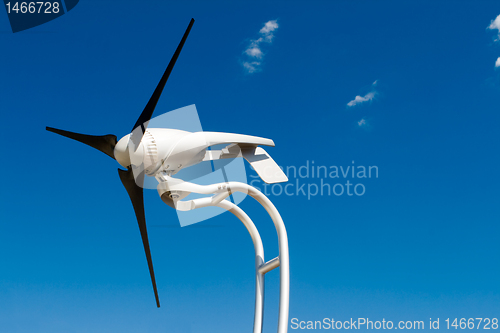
421	242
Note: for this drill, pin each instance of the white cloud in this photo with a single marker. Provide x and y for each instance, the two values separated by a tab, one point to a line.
374	83
251	67
254	49
497	64
270	26
361	99
362	122
268	29
495	25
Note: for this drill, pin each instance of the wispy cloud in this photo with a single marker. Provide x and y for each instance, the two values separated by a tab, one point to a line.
268	29
364	122
254	50
251	67
495	25
361	99
366	98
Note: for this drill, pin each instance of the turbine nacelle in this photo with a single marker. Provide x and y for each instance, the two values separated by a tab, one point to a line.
156	146
170	150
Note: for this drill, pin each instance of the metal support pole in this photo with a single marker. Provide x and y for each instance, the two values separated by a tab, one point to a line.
283	257
259	261
222	191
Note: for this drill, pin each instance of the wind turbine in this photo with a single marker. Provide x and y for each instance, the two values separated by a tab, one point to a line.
162	152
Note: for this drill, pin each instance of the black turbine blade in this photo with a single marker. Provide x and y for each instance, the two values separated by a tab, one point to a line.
135	193
104	143
146	114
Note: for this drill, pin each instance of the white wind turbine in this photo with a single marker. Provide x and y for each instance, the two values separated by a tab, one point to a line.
162	152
